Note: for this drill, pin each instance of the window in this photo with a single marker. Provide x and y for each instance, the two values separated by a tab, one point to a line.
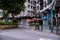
34	8
40	1
34	2
28	6
29	1
49	1
45	4
31	7
41	6
37	7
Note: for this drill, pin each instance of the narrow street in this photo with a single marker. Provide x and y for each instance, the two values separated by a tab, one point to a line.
27	34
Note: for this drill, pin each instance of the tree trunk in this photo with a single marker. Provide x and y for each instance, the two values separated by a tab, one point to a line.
12	16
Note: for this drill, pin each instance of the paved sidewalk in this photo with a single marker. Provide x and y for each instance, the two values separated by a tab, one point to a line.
27	34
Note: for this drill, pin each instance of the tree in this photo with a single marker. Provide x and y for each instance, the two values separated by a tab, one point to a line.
12	6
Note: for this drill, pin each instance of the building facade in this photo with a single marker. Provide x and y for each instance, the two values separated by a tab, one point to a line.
33	7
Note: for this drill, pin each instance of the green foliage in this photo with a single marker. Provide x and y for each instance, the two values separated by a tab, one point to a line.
12	6
8	23
36	24
15	20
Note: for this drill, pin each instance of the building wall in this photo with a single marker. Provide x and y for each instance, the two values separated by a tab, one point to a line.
29	10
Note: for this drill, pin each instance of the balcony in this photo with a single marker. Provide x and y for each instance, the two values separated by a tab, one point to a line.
57	3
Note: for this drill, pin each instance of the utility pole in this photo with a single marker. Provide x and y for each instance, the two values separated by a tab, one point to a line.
51	19
57	29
